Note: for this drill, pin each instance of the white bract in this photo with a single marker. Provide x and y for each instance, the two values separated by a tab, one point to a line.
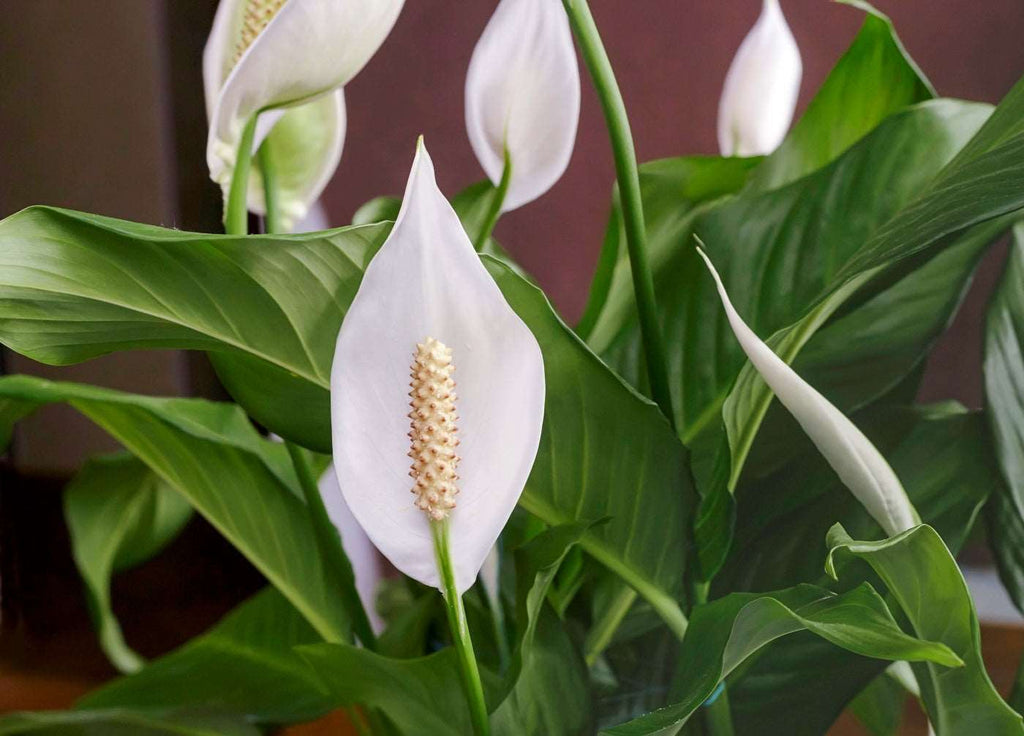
856	461
286	61
523	93
761	88
426	296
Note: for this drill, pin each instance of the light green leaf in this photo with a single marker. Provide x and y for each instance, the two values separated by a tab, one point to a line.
245	664
727	631
924	578
119	514
242	484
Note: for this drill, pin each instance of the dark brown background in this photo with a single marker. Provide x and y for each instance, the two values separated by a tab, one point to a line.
101	109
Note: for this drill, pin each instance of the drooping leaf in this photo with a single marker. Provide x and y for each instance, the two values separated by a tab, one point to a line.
245	664
119	514
923	577
725	632
242	484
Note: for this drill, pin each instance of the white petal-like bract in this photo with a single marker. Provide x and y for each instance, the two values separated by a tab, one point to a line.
427	281
761	88
523	92
857	462
308	48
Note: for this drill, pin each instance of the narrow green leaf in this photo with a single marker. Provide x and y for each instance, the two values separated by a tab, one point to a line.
125	723
119	514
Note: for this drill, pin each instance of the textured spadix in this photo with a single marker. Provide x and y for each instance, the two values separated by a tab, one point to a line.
761	88
267	55
856	461
427	281
523	92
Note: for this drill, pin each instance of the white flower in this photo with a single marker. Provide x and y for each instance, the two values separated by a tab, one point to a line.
856	461
426	297
286	61
523	93
761	88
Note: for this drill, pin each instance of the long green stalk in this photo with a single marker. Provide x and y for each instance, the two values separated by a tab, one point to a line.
271	194
329	542
596	59
603	630
460	631
494	209
236	212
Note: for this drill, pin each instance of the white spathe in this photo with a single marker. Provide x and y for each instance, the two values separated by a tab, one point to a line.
427	281
523	92
761	88
358	547
857	462
298	62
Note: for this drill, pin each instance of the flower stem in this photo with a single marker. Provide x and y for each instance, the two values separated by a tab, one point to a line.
460	630
271	198
494	210
236	213
601	633
329	541
596	59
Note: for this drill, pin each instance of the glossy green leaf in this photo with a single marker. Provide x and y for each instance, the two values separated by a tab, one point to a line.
1004	397
923	577
245	664
727	631
879	707
942	455
241	483
119	514
592	420
125	723
422	695
872	80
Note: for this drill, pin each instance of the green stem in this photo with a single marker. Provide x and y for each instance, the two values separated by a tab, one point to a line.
717	716
271	198
494	210
460	630
596	59
236	213
601	633
329	541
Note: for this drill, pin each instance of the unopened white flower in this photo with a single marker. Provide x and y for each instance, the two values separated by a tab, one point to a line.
761	88
286	61
523	94
437	393
857	462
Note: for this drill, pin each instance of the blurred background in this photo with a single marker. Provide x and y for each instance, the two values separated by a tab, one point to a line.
101	109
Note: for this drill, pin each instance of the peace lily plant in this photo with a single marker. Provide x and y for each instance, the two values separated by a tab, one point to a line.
473	518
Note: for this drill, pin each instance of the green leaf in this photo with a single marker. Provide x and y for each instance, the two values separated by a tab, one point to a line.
245	664
1004	397
592	420
874	79
546	685
125	723
242	484
924	578
422	695
119	514
879	707
727	631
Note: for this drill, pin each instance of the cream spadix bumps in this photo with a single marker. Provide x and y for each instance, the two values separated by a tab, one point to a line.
286	61
426	302
761	87
523	95
856	461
